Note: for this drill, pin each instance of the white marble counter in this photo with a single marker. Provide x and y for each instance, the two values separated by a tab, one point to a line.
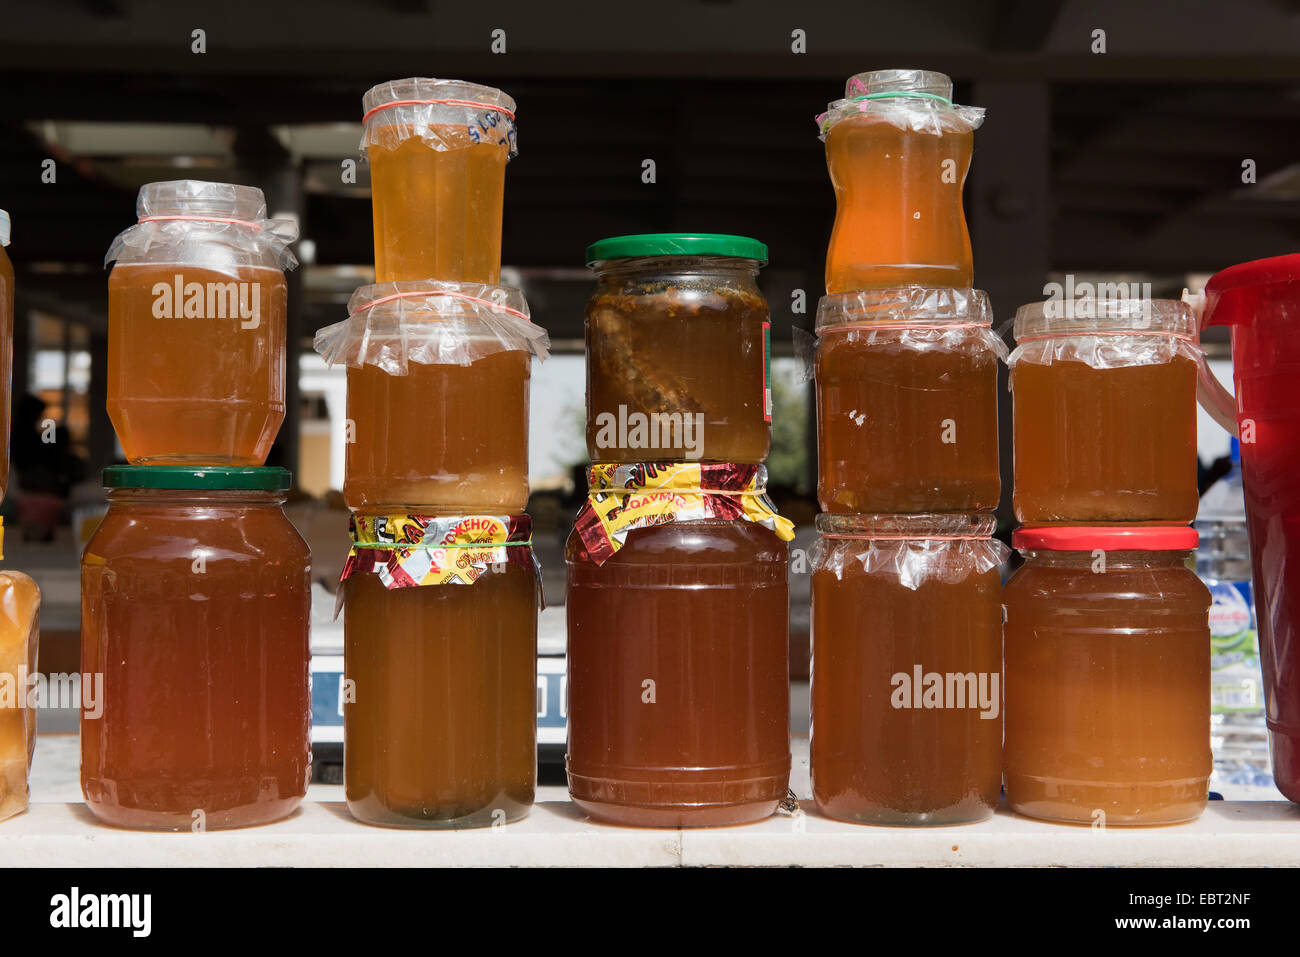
322	834
58	831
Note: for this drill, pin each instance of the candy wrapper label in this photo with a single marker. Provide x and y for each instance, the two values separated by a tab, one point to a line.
627	497
409	551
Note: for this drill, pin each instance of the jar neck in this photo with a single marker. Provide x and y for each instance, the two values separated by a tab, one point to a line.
955	526
642	267
243	498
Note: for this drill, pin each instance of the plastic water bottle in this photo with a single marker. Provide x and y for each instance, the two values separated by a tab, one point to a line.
1238	733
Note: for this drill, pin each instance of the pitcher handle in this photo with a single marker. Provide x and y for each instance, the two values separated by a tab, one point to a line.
1210	393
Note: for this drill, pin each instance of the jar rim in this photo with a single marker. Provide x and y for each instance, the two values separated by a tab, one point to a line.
438	299
918	526
904	305
199	197
416	90
1088	315
899	81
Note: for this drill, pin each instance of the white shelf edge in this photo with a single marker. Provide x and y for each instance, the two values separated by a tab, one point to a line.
556	833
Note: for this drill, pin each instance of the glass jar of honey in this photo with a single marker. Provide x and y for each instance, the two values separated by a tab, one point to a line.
678	647
1104	411
438	151
678	350
898	151
437	405
195	609
440	643
196	326
1107	676
907	405
6	349
20	604
907	668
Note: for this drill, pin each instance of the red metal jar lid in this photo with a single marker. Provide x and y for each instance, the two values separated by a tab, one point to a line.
1087	538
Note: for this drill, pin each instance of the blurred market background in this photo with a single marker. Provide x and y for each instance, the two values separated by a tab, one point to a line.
1122	165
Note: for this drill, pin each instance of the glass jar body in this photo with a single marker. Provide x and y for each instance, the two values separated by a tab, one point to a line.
678	351
678	665
195	612
1107	688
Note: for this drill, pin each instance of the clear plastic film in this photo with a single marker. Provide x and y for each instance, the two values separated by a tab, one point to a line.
20	602
914	549
1105	333
218	226
922	318
916	100
444	114
429	322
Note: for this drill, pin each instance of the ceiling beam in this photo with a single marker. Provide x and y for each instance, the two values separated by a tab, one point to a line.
1023	26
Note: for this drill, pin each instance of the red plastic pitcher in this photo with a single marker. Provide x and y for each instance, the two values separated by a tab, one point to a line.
1260	302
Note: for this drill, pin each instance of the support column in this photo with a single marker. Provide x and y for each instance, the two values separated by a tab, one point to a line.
101	439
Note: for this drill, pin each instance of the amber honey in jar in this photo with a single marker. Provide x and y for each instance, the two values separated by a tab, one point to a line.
1107	676
438	151
437	405
6	348
20	604
678	350
907	406
1104	411
898	150
196	326
678	647
907	668
440	646
195	610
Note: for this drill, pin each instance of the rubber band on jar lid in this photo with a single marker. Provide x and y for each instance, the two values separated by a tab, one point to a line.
923	317
443	114
471	104
904	307
430	323
915	549
917	100
175	222
425	294
1105	333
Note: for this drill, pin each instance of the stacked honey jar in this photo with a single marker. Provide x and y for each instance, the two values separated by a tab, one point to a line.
906	616
195	587
20	599
1106	680
678	599
440	589
1107	627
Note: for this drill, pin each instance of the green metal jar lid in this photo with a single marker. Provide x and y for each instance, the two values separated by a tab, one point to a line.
206	478
676	244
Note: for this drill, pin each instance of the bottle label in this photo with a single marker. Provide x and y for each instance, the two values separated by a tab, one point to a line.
767	371
1236	682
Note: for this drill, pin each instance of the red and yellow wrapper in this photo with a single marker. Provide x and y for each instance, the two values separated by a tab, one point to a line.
622	498
408	551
